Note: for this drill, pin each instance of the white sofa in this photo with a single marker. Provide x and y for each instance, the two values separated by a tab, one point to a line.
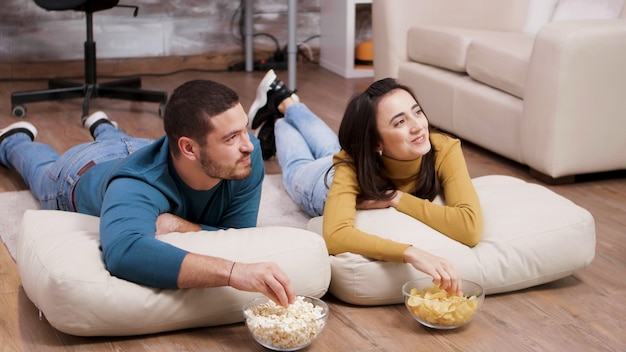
553	100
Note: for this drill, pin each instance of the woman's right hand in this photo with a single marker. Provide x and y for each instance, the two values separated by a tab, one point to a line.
441	270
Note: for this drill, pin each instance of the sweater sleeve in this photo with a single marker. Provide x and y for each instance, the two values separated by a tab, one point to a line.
461	217
127	234
340	233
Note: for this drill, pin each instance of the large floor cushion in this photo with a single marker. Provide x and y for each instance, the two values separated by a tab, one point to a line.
62	272
531	236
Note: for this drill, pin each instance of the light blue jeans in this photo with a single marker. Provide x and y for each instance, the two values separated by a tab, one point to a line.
50	177
305	146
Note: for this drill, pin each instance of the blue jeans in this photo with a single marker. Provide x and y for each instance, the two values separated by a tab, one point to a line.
52	178
305	146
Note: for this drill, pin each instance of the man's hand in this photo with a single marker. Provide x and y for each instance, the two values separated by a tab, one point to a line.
266	278
441	270
167	223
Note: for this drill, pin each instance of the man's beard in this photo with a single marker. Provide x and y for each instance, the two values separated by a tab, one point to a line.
221	171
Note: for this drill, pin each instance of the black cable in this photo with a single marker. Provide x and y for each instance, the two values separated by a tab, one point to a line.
310	38
271	37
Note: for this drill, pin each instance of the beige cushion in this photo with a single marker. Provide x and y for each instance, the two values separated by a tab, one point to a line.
501	62
531	236
444	46
62	272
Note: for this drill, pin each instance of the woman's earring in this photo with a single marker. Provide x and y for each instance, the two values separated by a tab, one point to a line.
380	152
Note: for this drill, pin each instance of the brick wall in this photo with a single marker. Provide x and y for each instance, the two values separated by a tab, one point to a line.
161	29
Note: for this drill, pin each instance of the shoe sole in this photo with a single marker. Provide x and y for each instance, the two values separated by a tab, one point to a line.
20	126
17	127
93	118
261	97
267	140
96	119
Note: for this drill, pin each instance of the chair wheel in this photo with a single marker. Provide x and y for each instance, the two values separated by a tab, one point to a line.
19	111
161	110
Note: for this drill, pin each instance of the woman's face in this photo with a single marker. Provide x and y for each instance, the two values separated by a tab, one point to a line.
402	126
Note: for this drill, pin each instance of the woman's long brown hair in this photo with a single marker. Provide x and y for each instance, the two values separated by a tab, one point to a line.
359	137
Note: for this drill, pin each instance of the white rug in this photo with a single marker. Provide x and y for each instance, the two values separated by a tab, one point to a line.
277	209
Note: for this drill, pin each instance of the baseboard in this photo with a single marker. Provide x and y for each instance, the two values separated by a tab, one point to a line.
120	67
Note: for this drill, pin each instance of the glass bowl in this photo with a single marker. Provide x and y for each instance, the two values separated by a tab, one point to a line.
285	329
438	310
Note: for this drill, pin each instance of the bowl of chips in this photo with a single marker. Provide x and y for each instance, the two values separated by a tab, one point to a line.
285	328
438	309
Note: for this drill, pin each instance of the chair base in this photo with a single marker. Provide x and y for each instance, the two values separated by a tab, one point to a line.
60	89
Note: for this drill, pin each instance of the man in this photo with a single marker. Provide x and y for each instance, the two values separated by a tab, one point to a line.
205	173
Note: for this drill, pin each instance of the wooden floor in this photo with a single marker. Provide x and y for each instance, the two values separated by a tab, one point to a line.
584	312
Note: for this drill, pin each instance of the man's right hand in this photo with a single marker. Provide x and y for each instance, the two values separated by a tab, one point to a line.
266	278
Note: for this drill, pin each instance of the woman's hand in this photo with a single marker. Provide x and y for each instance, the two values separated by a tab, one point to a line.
167	223
381	204
441	270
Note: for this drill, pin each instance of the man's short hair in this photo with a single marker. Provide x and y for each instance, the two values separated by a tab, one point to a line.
190	108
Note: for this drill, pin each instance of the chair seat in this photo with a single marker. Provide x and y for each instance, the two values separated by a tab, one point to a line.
78	5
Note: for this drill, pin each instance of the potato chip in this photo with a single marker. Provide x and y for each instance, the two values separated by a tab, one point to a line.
438	307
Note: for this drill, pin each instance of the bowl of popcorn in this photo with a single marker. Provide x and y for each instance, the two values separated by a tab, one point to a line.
285	328
436	308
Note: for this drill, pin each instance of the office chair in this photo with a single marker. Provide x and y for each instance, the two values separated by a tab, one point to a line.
59	89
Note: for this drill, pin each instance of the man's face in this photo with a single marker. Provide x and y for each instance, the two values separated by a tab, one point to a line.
226	154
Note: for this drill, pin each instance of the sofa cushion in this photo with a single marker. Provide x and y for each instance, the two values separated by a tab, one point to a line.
587	10
501	62
531	236
60	265
444	46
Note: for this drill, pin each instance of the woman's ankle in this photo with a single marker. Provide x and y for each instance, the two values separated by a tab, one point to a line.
287	102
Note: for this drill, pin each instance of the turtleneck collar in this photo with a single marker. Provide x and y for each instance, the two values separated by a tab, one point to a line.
401	170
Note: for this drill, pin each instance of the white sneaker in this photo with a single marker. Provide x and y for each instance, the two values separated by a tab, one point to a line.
269	94
261	98
95	119
19	127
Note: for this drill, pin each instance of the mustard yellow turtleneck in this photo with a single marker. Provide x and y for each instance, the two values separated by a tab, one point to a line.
460	219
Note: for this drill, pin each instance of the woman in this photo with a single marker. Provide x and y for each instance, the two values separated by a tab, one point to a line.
385	156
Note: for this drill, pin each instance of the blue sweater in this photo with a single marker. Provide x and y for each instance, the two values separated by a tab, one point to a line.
129	194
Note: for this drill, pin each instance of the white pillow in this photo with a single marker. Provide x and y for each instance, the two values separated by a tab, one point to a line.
539	13
60	265
587	9
531	236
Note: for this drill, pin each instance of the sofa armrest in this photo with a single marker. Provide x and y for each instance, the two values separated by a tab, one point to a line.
574	98
391	20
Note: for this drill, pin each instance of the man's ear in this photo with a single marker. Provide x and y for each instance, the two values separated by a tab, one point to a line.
188	148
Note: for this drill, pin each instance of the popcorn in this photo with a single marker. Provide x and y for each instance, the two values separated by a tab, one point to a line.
287	328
